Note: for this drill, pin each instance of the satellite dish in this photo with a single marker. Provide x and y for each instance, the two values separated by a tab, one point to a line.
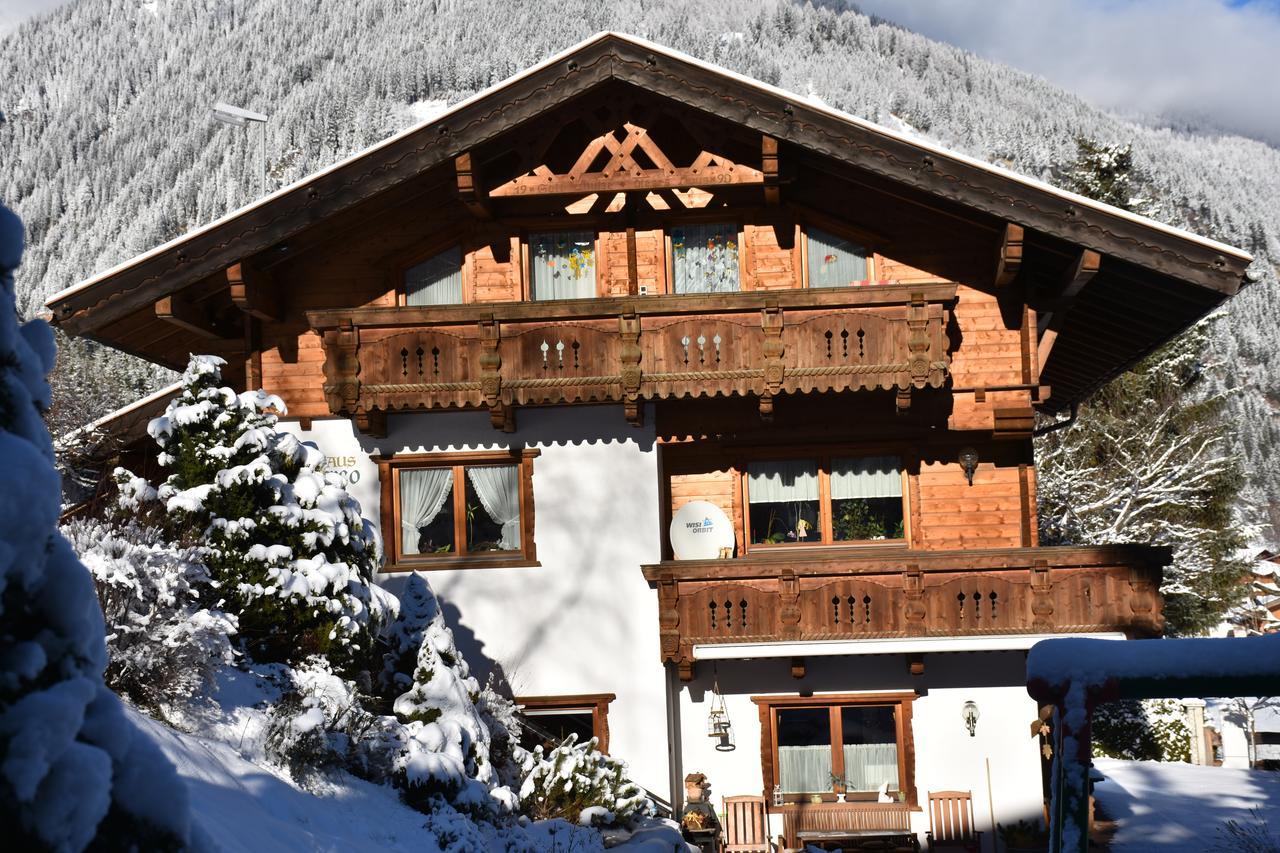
699	529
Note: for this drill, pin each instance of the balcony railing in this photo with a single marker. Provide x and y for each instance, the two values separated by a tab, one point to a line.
500	356
897	592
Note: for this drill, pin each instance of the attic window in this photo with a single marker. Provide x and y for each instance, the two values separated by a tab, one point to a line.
562	265
435	281
834	261
704	258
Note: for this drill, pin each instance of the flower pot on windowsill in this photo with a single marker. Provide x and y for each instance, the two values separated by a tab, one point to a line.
815	799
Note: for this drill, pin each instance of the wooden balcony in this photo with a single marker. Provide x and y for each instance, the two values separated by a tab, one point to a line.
500	356
873	593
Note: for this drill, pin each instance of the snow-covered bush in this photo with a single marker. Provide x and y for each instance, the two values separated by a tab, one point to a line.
579	783
1142	730
73	769
322	723
283	539
162	646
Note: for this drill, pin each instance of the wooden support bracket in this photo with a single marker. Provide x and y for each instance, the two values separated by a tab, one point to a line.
769	167
176	309
915	663
797	667
253	292
469	190
1085	267
1009	259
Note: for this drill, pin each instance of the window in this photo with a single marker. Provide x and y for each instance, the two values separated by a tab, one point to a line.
825	501
435	281
548	720
855	745
451	510
834	261
563	265
704	258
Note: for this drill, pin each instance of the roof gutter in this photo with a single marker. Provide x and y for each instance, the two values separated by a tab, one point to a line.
1057	425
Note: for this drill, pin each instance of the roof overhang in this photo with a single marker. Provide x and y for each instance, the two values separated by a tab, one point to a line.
1193	273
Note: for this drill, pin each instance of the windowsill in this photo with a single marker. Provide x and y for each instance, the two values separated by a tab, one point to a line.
759	547
518	561
851	805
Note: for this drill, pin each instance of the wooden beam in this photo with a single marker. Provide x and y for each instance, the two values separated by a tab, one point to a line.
769	166
1086	266
645	179
469	191
253	292
180	312
1009	260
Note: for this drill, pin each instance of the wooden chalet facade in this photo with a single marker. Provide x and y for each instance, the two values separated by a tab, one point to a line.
626	280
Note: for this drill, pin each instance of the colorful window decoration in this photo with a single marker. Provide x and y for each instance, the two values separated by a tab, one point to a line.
563	265
834	261
704	258
435	281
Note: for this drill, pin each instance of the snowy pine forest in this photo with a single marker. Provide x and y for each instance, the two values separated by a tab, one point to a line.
107	147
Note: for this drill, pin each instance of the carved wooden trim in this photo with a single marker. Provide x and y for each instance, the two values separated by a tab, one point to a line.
341	369
772	351
629	355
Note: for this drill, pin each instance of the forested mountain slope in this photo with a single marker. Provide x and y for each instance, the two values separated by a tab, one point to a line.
106	146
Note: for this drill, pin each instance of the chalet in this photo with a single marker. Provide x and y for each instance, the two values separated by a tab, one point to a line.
709	411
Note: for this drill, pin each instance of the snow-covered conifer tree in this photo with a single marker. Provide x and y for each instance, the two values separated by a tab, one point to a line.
284	542
73	769
448	741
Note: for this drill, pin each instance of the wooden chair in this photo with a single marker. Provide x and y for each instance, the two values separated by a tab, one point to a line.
951	822
746	829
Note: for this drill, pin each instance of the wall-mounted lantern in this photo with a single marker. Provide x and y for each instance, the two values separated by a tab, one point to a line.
968	459
970	714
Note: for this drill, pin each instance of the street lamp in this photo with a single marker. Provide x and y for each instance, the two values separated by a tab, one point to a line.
237	117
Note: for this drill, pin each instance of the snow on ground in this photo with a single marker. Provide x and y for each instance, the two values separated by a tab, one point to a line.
1179	807
242	804
243	807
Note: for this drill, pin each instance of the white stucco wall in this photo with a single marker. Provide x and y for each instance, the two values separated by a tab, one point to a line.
583	622
947	758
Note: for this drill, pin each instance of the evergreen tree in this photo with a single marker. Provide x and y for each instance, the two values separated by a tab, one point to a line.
284	542
1149	459
1106	173
74	771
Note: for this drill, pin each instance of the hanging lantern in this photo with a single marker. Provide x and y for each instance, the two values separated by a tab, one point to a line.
718	725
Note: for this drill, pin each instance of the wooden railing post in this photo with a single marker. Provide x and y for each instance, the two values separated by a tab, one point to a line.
342	369
629	355
789	605
1041	597
500	414
773	349
913	609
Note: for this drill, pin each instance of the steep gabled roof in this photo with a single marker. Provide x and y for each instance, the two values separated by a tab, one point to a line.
1200	272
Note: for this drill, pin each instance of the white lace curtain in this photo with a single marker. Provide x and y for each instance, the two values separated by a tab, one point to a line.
869	477
807	769
423	492
867	766
804	769
498	487
563	265
436	281
782	482
704	258
834	261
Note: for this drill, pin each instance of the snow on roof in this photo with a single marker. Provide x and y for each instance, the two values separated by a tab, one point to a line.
93	426
1094	662
813	103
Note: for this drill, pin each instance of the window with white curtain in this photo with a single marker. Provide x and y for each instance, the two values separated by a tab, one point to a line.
866	498
783	502
844	745
461	510
834	261
704	258
435	281
562	265
828	500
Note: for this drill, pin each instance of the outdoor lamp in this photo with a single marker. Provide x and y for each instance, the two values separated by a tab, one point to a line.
969	462
970	714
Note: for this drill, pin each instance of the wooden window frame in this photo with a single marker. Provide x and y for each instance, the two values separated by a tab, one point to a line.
708	218
389	475
872	257
824	459
768	707
596	703
526	257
